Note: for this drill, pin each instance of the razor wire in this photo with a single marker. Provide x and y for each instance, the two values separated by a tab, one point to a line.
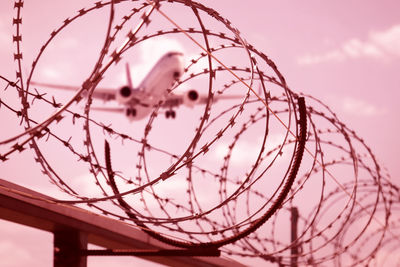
198	185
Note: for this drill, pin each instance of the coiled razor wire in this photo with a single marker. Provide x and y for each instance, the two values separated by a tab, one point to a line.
225	175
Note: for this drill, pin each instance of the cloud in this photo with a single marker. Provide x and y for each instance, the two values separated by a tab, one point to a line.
4	38
334	55
150	52
50	73
243	153
355	48
13	255
5	35
379	45
67	43
388	41
246	152
361	108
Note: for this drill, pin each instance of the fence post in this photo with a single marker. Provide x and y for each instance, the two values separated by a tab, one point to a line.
68	243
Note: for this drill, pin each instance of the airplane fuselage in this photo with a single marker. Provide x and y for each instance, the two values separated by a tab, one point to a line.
140	101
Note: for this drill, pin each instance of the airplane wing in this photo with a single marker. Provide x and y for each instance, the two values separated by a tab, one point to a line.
191	98
109	109
218	97
105	94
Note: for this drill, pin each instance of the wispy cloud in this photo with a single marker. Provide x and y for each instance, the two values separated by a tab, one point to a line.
4	38
380	45
360	107
243	153
5	35
12	254
150	52
388	41
246	152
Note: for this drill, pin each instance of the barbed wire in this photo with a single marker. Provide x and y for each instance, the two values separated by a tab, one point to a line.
230	176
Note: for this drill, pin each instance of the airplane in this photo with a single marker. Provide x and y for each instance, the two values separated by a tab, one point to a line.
138	102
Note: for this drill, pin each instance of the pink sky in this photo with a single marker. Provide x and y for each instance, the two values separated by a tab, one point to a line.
346	54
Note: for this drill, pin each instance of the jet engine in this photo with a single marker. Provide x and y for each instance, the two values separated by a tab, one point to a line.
190	98
124	95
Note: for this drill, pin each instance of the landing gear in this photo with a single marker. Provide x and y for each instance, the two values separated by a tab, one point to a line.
131	112
170	113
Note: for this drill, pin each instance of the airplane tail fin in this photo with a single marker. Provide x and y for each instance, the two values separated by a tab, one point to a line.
128	76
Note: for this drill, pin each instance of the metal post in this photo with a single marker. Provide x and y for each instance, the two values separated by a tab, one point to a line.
295	247
67	246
